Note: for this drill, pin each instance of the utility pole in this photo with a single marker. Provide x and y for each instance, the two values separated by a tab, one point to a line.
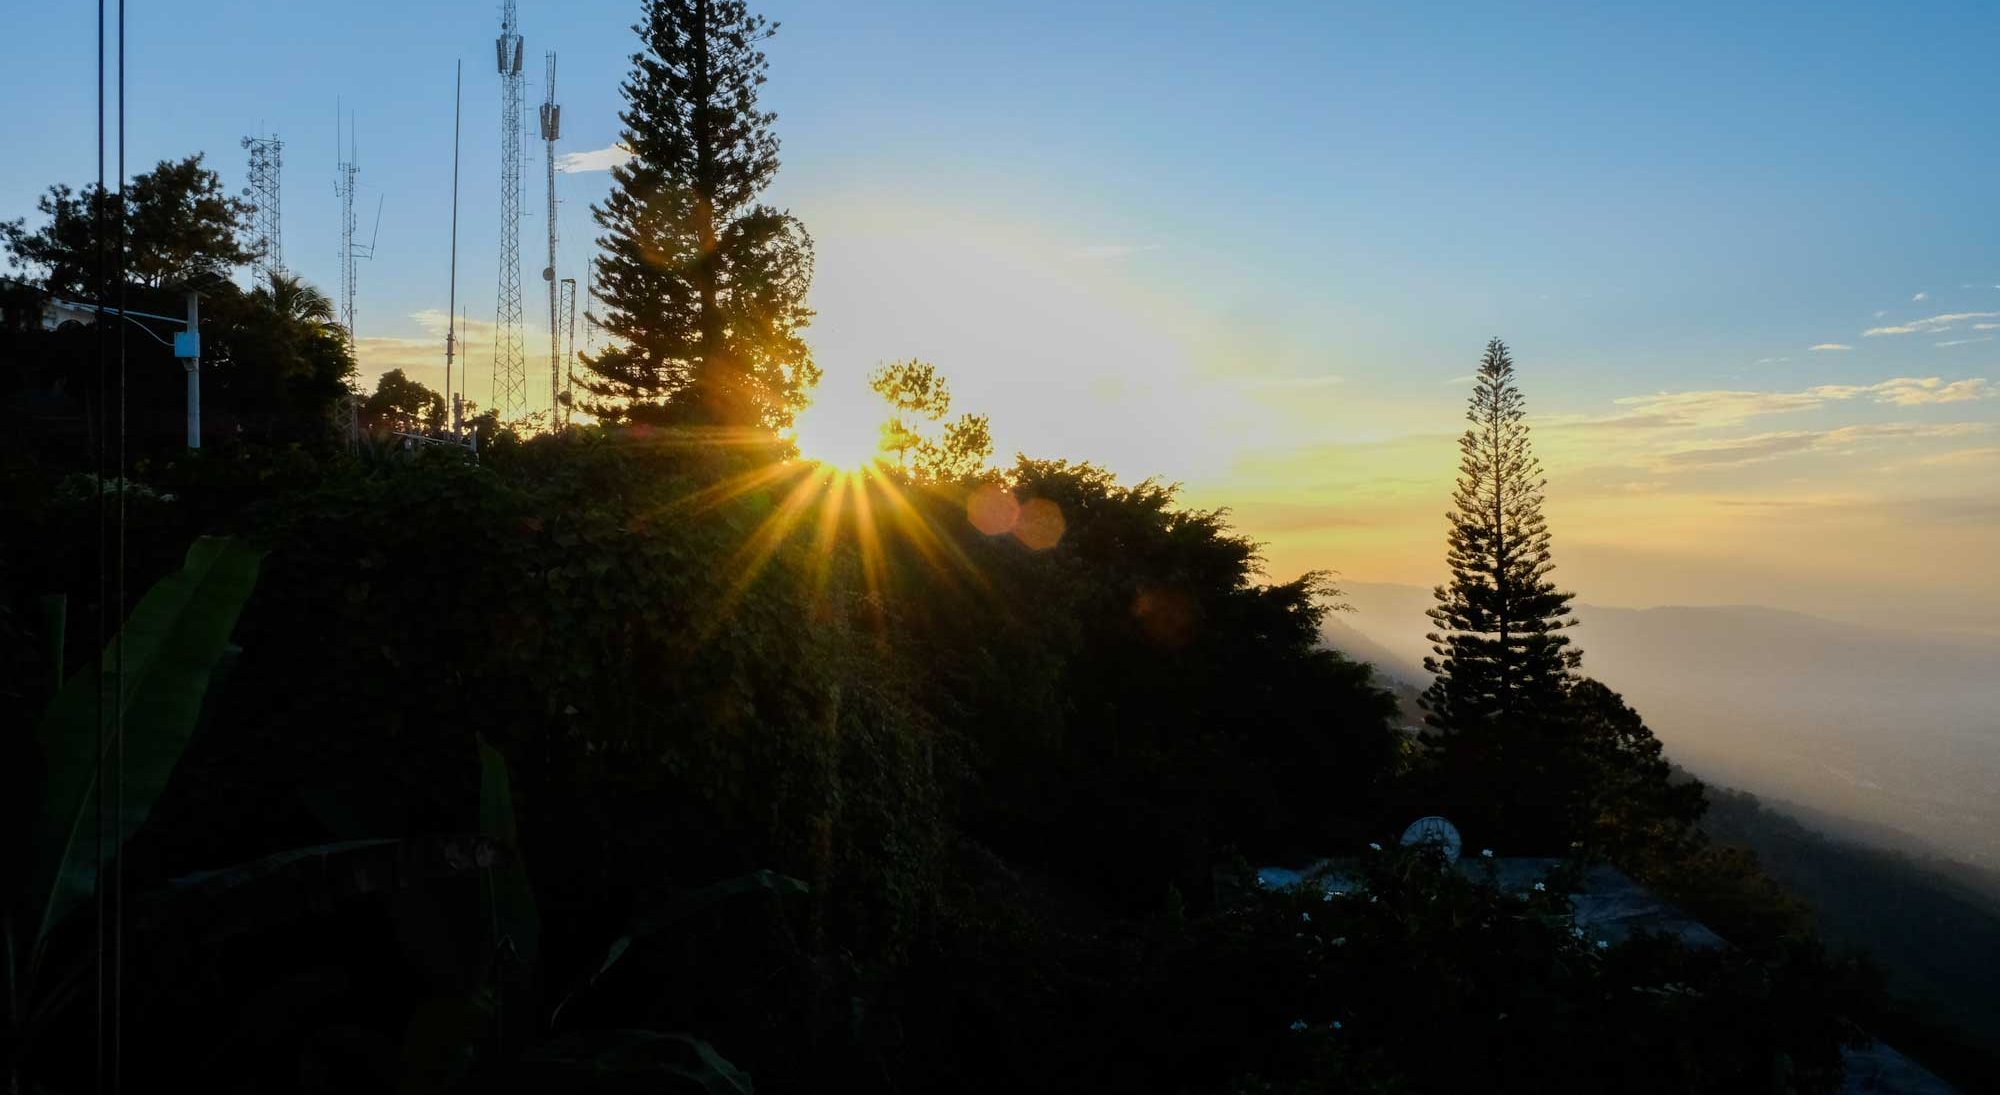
187	347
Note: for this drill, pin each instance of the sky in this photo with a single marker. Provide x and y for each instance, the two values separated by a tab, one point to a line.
1746	259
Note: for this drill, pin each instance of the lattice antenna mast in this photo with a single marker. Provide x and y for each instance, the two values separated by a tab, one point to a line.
551	129
266	160
589	305
345	172
454	401
345	183
510	364
566	396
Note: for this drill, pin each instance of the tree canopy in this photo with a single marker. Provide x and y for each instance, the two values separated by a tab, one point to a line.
703	288
176	223
926	445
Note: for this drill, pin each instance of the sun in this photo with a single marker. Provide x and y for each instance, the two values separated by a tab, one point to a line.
843	435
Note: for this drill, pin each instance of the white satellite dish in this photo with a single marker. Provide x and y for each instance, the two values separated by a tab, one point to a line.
1437	831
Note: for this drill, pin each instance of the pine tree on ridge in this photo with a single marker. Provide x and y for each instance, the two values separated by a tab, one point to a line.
703	287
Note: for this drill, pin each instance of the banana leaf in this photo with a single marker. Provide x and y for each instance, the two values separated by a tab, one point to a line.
513	898
170	646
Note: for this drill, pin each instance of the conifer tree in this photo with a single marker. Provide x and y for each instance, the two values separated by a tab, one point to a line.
1500	657
703	286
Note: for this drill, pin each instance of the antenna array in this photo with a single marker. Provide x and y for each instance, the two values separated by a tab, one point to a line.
346	174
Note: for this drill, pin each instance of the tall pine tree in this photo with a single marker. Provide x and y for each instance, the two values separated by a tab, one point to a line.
703	287
1500	654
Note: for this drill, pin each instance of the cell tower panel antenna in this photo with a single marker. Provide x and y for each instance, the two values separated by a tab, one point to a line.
552	128
345	184
510	365
266	162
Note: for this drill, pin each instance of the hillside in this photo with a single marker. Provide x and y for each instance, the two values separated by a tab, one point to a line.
1893	731
1930	923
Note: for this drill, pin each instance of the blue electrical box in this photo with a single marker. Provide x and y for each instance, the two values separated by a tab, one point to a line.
187	344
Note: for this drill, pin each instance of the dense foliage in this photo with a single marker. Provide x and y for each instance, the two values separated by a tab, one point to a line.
991	766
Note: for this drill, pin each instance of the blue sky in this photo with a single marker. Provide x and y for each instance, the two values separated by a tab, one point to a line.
1269	238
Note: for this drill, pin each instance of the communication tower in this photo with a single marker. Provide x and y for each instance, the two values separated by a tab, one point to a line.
565	395
510	364
266	158
345	183
551	129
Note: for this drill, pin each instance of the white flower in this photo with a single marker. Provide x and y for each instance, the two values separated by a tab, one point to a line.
1486	853
1298	1025
1306	916
1339	941
1371	899
1374	847
1335	1024
1576	933
1539	888
1603	946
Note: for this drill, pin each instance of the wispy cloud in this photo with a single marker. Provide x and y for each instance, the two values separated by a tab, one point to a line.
1921	296
1832	346
1986	326
1771	446
1978	455
1928	325
1724	407
596	159
1964	341
1910	391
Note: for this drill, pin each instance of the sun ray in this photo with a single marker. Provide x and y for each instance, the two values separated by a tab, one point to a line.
751	558
938	551
827	536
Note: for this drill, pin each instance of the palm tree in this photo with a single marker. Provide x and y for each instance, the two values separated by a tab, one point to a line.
293	298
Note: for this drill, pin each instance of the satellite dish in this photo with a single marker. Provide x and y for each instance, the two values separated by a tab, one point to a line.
1434	830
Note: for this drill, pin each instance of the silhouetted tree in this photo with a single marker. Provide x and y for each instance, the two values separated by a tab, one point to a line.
400	403
1506	754
703	287
919	399
1499	648
179	225
1626	803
